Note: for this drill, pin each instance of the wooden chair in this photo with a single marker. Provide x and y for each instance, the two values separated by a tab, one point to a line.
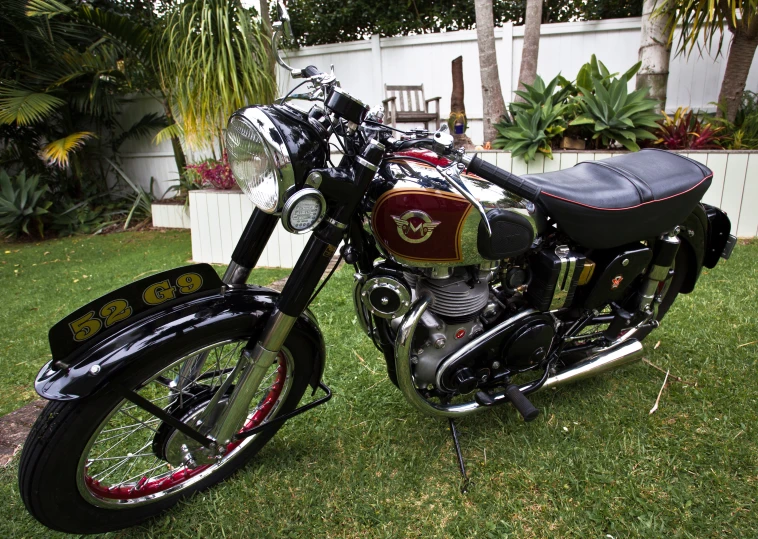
407	104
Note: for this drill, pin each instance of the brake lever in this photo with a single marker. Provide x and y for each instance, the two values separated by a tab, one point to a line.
455	182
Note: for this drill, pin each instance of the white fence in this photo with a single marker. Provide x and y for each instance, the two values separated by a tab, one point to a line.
364	67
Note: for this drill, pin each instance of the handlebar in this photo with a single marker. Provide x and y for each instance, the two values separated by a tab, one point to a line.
502	178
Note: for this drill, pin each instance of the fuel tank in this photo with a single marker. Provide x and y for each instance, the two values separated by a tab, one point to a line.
419	220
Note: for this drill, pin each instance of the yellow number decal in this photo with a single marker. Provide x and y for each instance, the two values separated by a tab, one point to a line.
157	293
189	282
115	311
85	327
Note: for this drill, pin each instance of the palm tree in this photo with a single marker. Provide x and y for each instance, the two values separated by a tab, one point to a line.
531	50
707	19
655	51
213	56
492	94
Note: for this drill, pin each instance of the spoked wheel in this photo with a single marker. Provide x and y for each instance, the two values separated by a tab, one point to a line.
104	463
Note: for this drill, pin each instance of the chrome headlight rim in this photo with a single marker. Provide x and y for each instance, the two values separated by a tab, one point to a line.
276	150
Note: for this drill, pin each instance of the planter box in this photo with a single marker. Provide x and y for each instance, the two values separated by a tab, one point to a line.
170	216
218	217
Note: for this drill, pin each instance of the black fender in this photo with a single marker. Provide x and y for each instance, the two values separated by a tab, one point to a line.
88	370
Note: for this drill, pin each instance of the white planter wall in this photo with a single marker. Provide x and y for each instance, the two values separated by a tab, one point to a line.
170	215
218	217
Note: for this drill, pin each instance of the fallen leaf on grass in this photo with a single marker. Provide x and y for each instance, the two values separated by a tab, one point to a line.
747	344
657	345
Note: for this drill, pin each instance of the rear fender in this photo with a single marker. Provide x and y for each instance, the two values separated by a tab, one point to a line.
88	370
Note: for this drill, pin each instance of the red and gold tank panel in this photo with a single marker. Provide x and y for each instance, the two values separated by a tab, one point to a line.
421	224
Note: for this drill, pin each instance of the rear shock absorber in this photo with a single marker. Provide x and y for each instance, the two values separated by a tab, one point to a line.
663	259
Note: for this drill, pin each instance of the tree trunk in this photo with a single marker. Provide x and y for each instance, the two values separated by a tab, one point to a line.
492	94
531	51
263	7
457	105
176	144
738	64
655	51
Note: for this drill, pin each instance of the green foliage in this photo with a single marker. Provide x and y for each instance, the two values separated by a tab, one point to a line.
142	200
21	204
213	55
332	21
616	115
534	123
742	134
84	218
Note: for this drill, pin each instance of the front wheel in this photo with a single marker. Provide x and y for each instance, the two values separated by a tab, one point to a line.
102	463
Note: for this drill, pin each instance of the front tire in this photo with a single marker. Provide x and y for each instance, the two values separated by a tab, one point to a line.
70	475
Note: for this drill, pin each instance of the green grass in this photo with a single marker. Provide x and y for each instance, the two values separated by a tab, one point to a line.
594	464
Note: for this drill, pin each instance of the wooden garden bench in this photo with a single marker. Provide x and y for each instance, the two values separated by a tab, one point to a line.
407	104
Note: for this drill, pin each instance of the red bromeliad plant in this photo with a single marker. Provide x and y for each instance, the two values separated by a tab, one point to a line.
217	174
685	131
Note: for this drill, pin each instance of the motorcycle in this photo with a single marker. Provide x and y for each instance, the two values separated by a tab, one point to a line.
479	287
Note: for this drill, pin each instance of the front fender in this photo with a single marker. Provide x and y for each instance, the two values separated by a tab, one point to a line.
88	370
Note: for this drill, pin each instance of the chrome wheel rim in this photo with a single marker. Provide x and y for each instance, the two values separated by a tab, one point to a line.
119	468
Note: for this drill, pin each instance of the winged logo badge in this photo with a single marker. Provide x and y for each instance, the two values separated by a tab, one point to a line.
415	226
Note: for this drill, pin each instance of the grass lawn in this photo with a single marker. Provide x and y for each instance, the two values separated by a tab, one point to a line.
594	464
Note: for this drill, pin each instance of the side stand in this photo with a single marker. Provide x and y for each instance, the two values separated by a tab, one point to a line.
461	465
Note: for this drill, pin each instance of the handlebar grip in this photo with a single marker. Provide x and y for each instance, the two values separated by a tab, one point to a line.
521	403
502	178
310	71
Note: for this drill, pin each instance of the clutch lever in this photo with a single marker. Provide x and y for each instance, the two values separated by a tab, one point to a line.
452	174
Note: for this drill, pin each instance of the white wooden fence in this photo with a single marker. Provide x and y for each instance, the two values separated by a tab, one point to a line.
217	217
363	67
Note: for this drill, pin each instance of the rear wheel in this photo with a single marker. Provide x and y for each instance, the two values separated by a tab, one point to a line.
102	463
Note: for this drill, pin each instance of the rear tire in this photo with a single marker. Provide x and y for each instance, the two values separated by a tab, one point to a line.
60	440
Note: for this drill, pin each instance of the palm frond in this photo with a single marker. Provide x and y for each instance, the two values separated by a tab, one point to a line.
169	132
25	107
58	152
141	128
46	8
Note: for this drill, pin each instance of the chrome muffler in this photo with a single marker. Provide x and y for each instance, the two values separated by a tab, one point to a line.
606	360
612	357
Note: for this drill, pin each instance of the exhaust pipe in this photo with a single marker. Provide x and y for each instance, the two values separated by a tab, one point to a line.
612	358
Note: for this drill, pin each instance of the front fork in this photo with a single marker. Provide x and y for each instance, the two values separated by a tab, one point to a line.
227	418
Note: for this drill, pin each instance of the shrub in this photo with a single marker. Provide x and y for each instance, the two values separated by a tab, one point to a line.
742	134
534	124
686	131
21	204
616	115
217	174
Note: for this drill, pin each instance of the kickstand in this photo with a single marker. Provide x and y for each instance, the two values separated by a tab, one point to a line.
454	432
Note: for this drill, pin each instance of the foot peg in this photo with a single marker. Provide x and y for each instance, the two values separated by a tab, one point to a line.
521	403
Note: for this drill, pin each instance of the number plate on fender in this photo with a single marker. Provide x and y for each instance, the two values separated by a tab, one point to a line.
115	308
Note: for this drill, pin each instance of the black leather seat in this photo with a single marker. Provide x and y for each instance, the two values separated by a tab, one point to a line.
602	204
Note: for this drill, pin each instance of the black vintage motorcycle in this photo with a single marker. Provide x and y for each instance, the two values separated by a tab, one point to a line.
479	287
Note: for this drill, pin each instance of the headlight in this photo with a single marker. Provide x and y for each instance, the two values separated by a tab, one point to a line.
259	160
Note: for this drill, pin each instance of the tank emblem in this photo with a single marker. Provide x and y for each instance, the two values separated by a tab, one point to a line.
415	226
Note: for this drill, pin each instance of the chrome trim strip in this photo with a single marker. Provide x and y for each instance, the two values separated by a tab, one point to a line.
341	226
366	164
